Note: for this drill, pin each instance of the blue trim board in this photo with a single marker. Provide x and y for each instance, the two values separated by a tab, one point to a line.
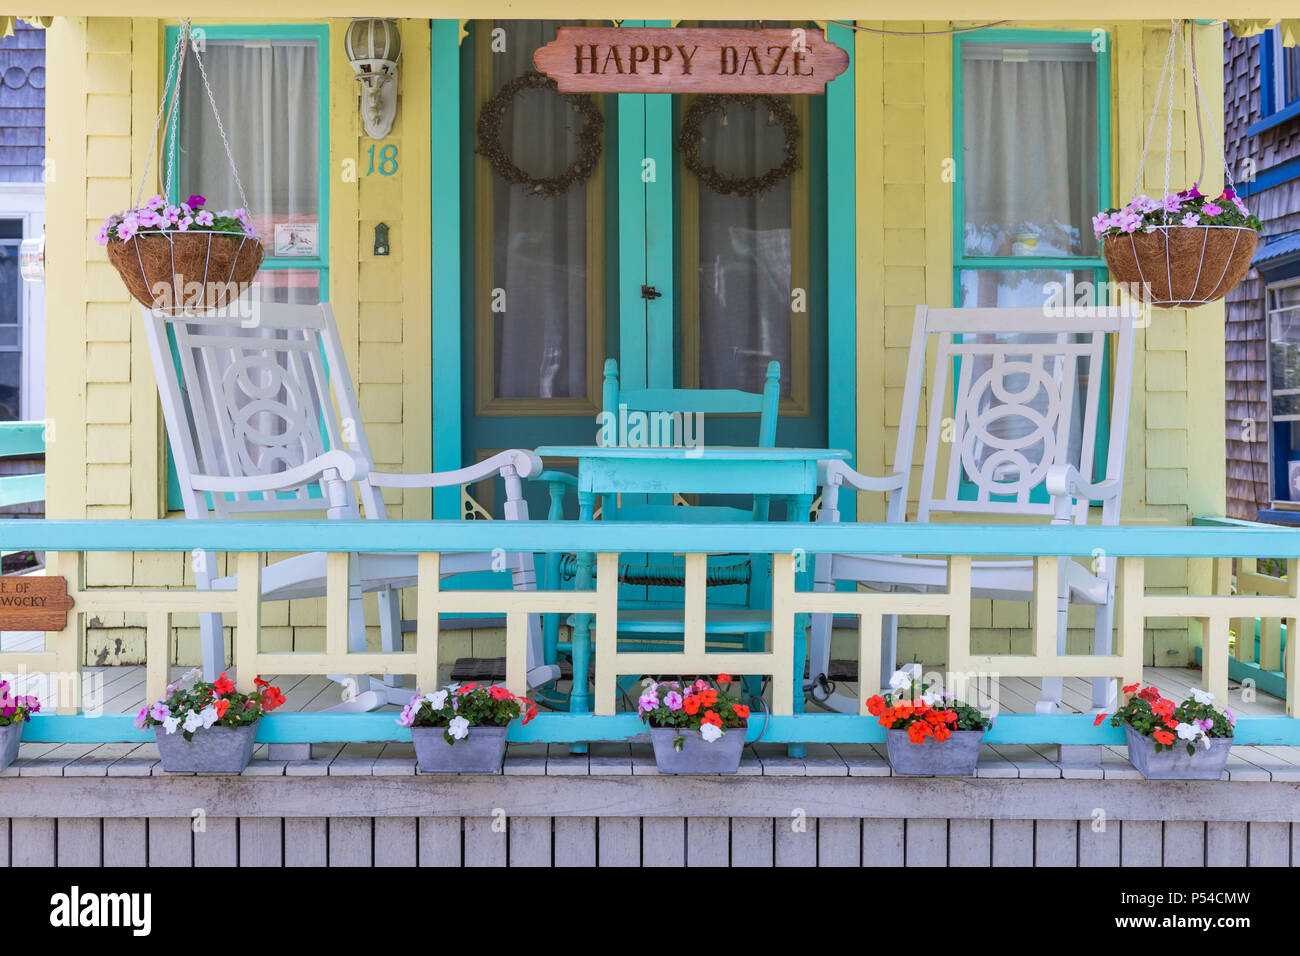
841	259
1273	176
445	265
977	540
573	728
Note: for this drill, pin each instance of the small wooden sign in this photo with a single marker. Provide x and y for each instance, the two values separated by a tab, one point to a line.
31	603
690	60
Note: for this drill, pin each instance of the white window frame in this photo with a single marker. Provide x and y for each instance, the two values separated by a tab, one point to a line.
26	202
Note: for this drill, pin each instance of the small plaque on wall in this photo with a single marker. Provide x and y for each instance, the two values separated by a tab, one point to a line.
32	603
296	239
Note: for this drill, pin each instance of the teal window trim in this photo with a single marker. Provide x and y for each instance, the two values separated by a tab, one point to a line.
318	32
966	263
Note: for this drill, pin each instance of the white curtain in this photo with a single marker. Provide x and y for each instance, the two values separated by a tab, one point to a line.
744	256
1030	149
539	245
267	95
1030	182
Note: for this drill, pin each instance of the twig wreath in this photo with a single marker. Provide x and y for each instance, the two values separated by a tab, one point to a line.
688	142
589	138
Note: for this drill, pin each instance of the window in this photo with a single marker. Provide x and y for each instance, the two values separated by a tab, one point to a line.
11	321
271	90
1283	304
1279	88
1031	134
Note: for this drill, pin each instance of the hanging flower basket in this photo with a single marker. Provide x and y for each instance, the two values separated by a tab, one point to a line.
1186	249
1181	251
182	258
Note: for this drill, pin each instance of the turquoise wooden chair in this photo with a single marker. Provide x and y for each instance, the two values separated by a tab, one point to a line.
739	613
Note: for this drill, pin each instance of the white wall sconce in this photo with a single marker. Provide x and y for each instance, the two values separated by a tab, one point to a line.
373	46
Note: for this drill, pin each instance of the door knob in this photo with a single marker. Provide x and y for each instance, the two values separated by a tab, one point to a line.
650	292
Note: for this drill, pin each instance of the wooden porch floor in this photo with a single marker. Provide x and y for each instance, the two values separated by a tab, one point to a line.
122	689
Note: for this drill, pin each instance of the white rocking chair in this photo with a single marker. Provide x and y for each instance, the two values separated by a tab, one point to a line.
1008	418
264	420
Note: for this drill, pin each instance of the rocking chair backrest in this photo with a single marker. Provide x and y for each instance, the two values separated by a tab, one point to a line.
242	402
1014	392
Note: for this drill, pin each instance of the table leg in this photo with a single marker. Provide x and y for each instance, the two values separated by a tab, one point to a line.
800	505
579	701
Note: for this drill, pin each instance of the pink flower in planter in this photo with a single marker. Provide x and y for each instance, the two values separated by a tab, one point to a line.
185	223
1101	222
204	218
157	202
1212	209
1172	204
1191	219
195	201
1127	220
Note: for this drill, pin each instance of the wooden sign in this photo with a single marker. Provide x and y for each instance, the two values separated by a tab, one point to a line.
690	60
31	603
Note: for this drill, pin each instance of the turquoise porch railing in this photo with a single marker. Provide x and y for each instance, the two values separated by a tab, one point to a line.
791	546
21	440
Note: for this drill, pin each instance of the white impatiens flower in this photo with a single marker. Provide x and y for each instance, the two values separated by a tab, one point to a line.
902	678
458	728
171	722
710	732
437	700
192	722
1202	696
1189	731
209	716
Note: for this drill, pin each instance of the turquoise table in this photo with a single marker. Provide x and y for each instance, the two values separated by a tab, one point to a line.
789	473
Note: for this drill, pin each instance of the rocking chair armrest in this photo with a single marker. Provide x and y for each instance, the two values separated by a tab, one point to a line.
838	472
1065	484
524	463
349	465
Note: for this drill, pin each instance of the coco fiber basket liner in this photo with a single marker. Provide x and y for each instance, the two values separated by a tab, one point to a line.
1180	266
174	271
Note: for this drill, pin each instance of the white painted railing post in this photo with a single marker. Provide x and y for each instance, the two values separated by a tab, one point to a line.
248	615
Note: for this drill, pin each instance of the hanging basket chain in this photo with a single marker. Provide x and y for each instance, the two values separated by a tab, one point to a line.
212	100
1190	57
162	109
1201	108
1165	74
169	110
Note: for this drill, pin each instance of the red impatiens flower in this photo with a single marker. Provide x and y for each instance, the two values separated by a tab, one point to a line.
500	693
1099	719
711	717
223	685
875	705
222	706
724	678
258	682
1132	687
271	698
466	688
691	704
1163	708
742	711
530	713
1163	737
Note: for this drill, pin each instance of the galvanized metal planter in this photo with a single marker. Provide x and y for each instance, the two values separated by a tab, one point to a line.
213	749
954	757
697	754
10	736
481	752
1177	764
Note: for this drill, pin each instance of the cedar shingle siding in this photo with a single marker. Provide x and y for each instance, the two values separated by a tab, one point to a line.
1246	344
22	105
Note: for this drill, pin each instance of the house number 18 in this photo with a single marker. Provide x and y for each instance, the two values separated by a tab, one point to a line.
387	160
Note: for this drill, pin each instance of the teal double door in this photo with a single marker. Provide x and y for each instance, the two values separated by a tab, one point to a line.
638	261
